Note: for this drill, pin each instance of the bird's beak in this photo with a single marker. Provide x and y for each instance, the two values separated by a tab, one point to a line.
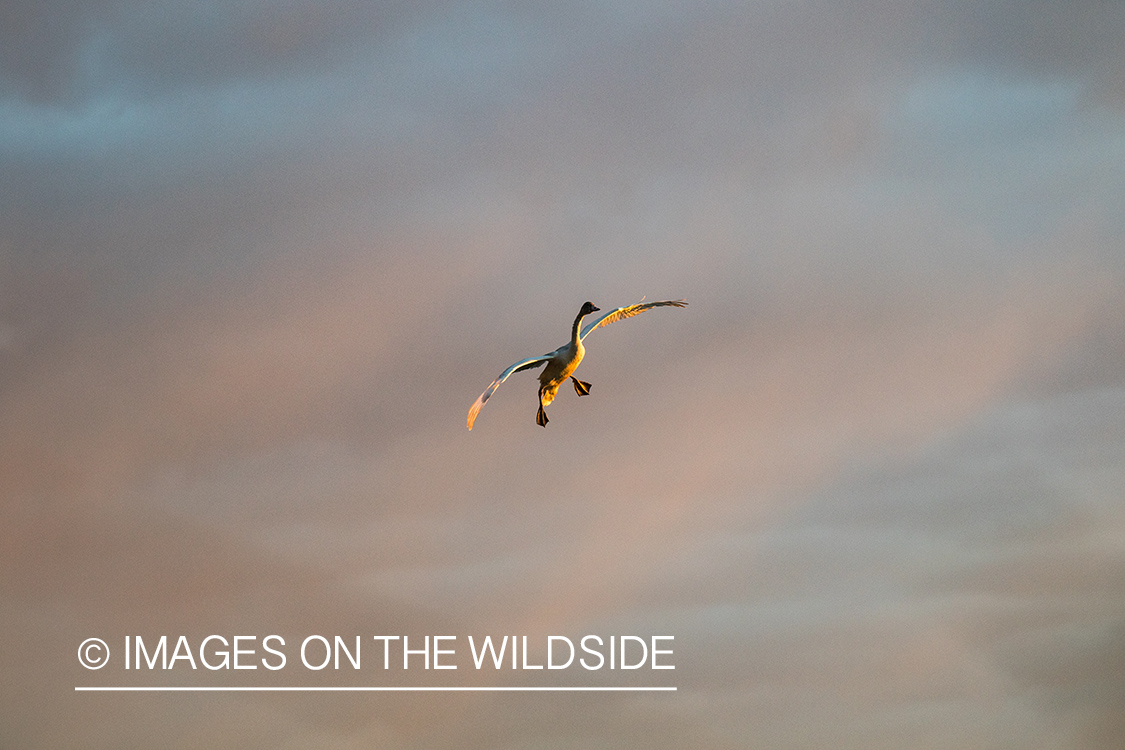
596	309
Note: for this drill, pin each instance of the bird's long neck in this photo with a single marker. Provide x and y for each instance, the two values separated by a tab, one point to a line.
574	340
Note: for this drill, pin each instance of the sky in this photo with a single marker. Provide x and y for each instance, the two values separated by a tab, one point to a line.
257	259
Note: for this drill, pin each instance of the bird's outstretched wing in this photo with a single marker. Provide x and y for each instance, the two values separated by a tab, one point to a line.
627	312
523	364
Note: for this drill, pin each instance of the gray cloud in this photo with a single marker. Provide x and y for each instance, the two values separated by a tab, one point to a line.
257	260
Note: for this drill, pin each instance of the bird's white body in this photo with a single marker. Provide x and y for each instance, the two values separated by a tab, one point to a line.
562	362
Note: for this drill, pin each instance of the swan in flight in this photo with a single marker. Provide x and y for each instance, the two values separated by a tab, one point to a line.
561	363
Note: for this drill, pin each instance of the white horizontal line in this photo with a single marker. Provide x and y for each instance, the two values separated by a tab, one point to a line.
288	689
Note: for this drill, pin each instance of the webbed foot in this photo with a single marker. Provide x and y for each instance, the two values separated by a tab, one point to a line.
581	387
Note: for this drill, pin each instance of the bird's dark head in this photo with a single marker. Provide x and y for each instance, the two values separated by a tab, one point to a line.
588	308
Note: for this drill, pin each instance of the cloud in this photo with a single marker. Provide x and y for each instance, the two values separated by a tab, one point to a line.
257	260
880	605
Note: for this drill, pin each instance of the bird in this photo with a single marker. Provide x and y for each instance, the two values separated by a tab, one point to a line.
562	362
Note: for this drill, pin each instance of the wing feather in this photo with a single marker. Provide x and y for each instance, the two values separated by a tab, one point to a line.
629	311
523	364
